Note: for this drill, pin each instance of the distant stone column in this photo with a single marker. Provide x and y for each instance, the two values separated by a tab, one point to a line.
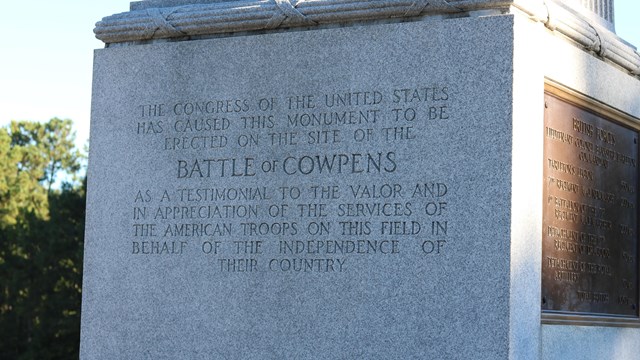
604	8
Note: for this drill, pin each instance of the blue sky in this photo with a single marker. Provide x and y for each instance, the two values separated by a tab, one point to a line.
46	52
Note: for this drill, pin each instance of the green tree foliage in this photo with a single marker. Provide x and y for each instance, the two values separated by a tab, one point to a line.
41	241
34	154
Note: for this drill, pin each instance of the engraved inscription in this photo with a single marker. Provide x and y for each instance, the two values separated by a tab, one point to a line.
292	183
589	252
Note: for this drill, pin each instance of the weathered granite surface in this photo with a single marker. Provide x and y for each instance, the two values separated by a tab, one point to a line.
140	5
412	160
416	150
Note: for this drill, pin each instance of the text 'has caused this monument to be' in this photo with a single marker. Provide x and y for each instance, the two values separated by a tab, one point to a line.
362	179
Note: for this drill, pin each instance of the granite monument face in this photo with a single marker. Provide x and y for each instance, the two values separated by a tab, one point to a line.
292	195
345	179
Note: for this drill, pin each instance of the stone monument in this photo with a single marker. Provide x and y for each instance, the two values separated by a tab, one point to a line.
349	179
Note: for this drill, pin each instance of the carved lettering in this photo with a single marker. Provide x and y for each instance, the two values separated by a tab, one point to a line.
232	205
590	213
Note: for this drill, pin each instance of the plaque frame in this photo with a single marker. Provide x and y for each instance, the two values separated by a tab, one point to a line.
554	317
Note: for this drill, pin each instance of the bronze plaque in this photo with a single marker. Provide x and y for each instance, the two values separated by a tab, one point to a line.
590	216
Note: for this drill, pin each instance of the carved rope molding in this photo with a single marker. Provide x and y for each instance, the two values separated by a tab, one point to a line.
250	15
591	37
232	16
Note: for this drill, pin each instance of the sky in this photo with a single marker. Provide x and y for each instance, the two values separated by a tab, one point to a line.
46	55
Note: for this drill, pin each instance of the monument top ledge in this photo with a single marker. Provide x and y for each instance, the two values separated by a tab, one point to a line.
145	4
162	20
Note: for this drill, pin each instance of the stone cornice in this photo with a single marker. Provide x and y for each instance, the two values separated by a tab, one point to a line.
196	20
584	32
250	15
